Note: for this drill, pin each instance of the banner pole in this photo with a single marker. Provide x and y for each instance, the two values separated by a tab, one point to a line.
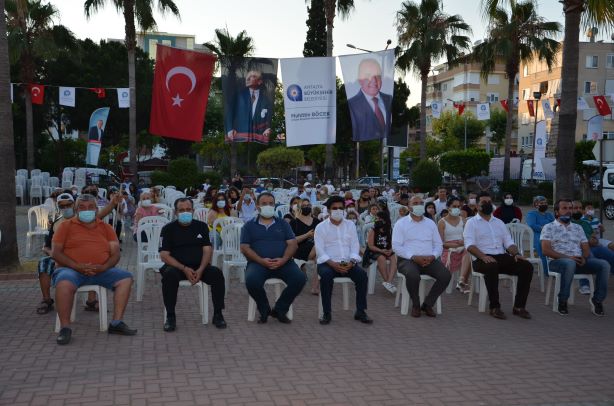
357	159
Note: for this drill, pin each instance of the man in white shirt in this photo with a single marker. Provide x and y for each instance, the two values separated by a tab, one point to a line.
418	246
442	202
488	239
330	187
567	245
246	206
337	255
309	193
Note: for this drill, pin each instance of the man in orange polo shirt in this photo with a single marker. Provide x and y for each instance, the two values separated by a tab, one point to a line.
86	251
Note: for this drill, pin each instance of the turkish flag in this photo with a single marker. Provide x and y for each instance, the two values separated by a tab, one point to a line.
180	91
460	107
603	108
504	105
100	92
531	108
37	92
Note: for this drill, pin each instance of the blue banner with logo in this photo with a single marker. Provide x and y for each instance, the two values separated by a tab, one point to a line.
95	134
310	100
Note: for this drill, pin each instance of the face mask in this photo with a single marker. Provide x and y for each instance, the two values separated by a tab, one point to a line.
337	215
146	202
351	209
267	211
67	213
455	211
308	190
486	208
353	221
576	215
185	217
542	208
418	210
472	201
221	204
294	207
590	213
87	216
270	189
508	202
564	219
262	185
306	211
246	199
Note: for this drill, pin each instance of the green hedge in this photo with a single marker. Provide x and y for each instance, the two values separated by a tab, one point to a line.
183	173
426	176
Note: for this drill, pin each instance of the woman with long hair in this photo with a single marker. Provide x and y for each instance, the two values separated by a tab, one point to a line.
451	232
220	208
379	244
304	226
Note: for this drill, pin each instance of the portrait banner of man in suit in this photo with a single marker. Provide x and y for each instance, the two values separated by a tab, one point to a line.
369	84
95	134
248	88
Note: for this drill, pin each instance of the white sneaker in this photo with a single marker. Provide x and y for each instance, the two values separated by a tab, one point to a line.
389	287
584	290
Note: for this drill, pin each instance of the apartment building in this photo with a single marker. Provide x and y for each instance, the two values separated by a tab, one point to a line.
595	77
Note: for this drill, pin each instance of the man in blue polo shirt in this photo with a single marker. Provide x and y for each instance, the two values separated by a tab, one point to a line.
269	244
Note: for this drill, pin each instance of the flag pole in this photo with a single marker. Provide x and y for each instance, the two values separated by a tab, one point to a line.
536	97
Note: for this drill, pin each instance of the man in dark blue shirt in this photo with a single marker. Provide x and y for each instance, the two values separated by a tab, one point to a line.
269	244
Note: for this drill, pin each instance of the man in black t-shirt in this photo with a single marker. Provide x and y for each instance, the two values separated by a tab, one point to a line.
186	252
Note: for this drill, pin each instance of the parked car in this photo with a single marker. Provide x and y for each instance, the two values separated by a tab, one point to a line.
277	182
367	181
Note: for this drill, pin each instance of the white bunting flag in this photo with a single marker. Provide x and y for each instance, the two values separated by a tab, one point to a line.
123	98
594	128
67	96
436	109
548	113
582	104
483	110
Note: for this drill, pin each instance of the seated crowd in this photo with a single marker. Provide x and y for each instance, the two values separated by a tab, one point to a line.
340	235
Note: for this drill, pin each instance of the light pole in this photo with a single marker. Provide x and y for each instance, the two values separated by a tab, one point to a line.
536	97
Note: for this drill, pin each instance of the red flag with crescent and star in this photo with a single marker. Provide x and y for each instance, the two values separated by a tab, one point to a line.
531	107
100	92
180	91
37	92
603	108
504	105
460	107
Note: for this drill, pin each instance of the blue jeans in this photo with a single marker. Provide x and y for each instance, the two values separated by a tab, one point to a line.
538	249
601	252
568	268
356	274
107	279
290	273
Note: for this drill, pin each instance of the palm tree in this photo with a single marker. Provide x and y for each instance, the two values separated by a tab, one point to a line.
344	8
8	244
142	12
230	52
32	36
428	34
514	36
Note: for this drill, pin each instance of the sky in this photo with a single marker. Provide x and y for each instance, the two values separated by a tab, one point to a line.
278	26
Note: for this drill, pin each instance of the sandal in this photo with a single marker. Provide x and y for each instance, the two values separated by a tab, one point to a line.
91	306
45	307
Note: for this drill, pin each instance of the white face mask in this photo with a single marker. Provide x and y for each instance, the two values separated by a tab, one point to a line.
221	204
267	211
454	211
590	212
308	190
294	207
146	203
337	215
472	201
508	202
418	210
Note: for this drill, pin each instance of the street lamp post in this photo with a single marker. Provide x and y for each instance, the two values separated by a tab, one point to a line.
536	97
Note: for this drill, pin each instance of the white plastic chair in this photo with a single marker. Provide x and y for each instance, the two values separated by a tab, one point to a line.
213	234
35	172
403	298
521	234
19	193
282	210
22	172
101	292
38	224
483	293
278	284
203	298
231	252
557	287
36	190
148	256
345	283
201	214
169	212
54	182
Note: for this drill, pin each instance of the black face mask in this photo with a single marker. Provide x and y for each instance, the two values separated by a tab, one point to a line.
576	215
486	208
542	207
306	211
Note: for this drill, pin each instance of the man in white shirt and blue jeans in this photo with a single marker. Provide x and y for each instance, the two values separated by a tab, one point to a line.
337	255
417	243
489	241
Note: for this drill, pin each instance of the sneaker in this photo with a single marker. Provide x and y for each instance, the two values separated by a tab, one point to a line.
563	309
389	287
121	329
584	290
597	308
462	287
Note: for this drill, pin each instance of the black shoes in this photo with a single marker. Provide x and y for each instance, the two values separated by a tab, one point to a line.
170	324
363	318
122	329
326	319
281	317
64	336
497	313
521	312
597	308
428	310
218	321
563	309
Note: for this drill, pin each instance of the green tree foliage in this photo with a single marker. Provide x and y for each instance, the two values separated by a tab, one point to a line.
584	152
182	173
276	162
464	164
215	151
435	146
453	126
315	43
426	176
497	123
401	115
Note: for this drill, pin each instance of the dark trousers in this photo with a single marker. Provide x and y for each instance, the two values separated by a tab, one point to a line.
212	276
507	265
290	273
327	281
412	271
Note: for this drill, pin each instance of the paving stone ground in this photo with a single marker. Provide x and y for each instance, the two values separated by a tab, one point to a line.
460	358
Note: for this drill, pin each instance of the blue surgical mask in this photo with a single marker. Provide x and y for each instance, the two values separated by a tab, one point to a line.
565	219
67	213
185	217
87	216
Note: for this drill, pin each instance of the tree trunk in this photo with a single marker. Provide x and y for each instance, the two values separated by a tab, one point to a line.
569	94
424	78
130	46
29	131
508	126
330	6
8	244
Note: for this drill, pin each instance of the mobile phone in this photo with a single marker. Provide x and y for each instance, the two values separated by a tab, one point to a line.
343	263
